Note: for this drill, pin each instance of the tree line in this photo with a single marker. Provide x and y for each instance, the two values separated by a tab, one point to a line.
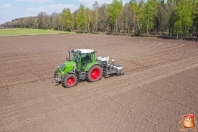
177	18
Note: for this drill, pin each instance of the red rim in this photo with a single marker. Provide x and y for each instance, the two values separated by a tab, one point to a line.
70	81
95	74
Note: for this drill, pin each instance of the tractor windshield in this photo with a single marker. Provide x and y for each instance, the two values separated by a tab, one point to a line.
86	57
76	56
79	57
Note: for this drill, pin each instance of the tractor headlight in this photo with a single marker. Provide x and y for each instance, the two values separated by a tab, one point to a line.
61	66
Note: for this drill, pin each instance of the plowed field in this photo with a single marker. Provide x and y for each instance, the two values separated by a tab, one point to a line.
160	85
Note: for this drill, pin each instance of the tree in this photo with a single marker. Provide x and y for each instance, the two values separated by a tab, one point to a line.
162	17
57	22
75	13
195	18
47	23
80	18
67	19
95	7
30	22
36	23
87	19
43	20
114	12
137	12
103	19
126	18
170	5
183	16
148	15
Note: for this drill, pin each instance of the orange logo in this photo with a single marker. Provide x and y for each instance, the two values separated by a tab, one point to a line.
188	122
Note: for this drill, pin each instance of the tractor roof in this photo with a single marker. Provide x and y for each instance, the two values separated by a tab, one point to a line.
84	50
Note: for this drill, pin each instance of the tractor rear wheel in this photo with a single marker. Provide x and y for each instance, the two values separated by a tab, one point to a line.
95	73
69	80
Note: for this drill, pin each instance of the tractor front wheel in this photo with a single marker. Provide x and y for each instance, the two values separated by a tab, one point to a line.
57	77
69	80
95	73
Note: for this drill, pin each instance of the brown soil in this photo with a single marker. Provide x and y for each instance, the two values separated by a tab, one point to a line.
159	85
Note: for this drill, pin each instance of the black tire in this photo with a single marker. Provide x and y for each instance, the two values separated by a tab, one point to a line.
69	80
95	73
56	75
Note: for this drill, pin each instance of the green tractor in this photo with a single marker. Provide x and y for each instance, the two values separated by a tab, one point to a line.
84	66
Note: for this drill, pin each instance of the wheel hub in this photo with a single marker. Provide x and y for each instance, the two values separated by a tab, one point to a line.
95	74
70	81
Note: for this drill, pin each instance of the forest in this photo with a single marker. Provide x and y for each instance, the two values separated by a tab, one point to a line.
171	18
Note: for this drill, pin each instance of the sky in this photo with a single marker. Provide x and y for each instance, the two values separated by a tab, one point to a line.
12	9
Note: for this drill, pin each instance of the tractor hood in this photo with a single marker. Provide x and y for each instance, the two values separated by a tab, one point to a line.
66	67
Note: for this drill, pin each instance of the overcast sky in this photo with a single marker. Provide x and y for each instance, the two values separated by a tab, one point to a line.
12	9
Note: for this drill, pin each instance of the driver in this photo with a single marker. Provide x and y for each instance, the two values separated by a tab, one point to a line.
86	59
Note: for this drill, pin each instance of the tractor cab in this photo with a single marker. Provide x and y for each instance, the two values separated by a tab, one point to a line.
83	57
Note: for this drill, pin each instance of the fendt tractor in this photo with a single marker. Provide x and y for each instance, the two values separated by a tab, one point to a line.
83	65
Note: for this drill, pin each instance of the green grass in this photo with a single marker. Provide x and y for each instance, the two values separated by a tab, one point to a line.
27	31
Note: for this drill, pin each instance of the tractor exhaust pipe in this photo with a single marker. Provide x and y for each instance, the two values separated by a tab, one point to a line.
69	55
68	59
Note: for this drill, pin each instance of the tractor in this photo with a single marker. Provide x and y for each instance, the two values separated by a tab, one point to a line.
83	65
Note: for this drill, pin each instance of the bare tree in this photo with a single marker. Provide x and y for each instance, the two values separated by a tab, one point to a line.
126	18
57	23
96	7
103	22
